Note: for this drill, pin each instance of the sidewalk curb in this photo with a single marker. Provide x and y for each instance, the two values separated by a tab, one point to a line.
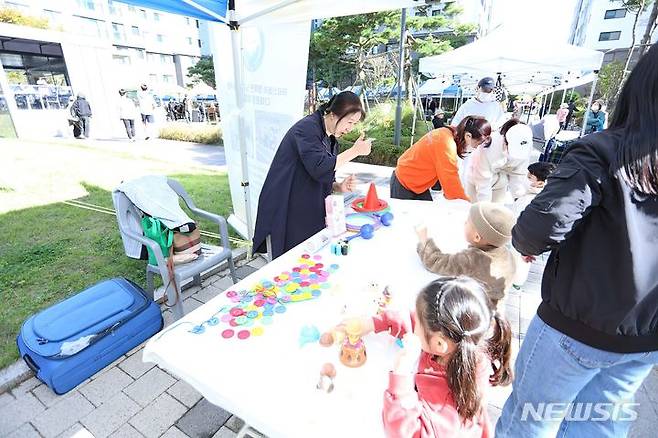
18	372
13	375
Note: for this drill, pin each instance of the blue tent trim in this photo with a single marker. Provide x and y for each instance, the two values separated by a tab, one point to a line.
218	7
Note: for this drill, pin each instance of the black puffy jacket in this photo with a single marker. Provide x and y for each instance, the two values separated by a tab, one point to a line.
600	285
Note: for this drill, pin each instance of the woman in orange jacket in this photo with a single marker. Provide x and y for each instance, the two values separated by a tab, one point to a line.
434	158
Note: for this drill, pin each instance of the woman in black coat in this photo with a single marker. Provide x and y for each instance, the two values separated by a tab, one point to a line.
302	174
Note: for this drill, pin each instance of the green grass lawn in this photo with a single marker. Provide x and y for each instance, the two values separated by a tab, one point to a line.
51	252
6	126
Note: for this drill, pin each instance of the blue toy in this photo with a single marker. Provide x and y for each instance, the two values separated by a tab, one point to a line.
309	335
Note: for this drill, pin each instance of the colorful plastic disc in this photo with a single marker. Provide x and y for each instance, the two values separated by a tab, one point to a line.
228	333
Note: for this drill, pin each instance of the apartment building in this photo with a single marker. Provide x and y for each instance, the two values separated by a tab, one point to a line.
147	45
607	26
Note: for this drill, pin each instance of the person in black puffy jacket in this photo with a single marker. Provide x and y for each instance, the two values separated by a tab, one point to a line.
595	336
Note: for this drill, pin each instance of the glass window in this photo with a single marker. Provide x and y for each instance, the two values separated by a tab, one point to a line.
615	13
609	36
52	16
142	12
135	30
131	9
140	53
436	12
38	81
117	31
91	27
87	4
115	8
199	42
163	59
167	79
187	20
189	41
160	38
153	78
121	59
156	16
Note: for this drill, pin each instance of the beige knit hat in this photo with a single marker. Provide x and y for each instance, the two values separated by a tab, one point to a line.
493	222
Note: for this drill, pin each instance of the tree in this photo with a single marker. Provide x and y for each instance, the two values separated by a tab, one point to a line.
340	46
13	16
649	30
609	83
203	70
635	7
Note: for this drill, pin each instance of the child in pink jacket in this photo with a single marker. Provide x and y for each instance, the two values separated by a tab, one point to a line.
443	395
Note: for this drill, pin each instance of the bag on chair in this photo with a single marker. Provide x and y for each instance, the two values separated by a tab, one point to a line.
187	245
156	231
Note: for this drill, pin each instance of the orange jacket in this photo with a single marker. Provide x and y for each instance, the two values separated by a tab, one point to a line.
432	158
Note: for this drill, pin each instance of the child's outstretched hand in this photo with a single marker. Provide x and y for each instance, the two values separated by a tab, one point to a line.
421	232
407	360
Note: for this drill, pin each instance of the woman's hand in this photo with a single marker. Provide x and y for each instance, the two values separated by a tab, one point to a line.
348	184
362	146
421	232
407	360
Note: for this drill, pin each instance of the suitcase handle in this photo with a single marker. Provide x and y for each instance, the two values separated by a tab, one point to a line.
30	363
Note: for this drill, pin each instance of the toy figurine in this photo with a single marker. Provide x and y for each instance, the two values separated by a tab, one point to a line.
353	350
327	374
384	301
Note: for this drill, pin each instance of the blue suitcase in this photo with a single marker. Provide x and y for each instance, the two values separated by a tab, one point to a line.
75	338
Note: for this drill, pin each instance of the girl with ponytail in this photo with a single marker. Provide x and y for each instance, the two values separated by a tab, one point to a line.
454	349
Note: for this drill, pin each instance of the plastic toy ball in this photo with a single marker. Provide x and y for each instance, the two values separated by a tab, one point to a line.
367	231
386	219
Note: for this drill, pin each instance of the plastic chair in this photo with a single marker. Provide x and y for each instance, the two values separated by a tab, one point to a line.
210	257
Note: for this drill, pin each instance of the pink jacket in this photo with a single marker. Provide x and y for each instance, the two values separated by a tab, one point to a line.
428	410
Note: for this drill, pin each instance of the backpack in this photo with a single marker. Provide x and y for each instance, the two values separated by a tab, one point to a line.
554	150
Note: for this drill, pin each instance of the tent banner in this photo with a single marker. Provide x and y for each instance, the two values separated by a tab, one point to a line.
273	65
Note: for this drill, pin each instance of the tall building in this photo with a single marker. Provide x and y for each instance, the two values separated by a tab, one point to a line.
607	26
147	45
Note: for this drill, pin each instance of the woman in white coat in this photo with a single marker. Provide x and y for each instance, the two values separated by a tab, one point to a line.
502	166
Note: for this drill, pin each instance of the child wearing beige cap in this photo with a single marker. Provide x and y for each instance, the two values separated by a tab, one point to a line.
487	259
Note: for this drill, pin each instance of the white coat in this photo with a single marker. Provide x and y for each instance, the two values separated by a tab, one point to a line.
493	168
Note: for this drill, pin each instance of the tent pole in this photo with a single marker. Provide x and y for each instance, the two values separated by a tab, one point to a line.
589	103
236	47
440	101
398	107
550	104
564	94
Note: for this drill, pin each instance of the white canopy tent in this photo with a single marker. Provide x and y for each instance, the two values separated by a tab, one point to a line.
239	15
525	63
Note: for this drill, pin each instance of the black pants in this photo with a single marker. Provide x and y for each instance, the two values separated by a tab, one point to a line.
85	122
398	191
130	127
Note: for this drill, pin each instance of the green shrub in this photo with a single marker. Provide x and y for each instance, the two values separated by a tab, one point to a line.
380	125
13	16
192	132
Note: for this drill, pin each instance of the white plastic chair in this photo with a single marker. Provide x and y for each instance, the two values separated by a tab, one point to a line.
210	257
